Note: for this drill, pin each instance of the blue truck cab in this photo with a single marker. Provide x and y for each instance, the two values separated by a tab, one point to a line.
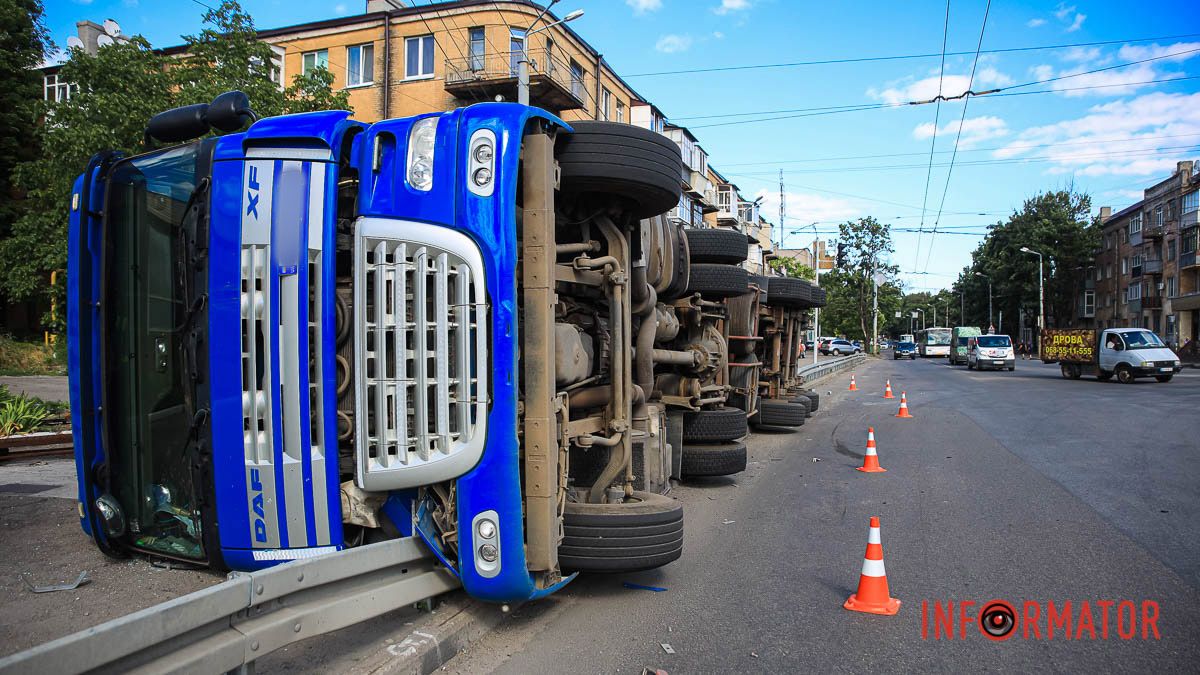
316	333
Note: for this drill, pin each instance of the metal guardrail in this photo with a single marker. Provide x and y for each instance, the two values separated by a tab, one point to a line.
809	374
230	625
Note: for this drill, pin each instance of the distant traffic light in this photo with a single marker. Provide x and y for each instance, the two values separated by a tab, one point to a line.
841	254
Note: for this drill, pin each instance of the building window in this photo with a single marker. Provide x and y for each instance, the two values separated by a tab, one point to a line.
1172	287
1137	260
360	65
1158	216
620	111
1135	224
1125	265
418	57
314	60
577	80
1135	292
1191	201
1125	235
516	47
605	104
477	48
1170	250
551	66
1089	303
56	91
1189	241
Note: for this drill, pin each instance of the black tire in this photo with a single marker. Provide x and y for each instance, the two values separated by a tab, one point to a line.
776	413
718	281
1103	375
715	245
803	401
682	268
719	459
1125	375
764	284
718	424
1164	378
788	292
837	352
626	537
1012	368
814	399
635	165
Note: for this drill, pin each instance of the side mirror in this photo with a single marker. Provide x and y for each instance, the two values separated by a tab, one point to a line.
230	112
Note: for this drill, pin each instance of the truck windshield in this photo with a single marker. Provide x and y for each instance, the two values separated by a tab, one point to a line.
147	386
1143	339
994	341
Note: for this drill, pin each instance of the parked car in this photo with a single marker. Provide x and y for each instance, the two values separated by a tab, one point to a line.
990	351
838	346
904	350
857	343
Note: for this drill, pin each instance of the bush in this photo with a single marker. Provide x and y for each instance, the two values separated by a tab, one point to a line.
31	358
21	414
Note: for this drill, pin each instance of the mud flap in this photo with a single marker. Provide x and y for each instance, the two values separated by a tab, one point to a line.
428	532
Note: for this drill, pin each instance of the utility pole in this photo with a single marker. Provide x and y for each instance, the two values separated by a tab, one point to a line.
817	277
782	210
523	57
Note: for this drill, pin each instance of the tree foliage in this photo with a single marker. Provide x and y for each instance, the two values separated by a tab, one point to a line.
117	91
1056	224
850	288
25	44
790	267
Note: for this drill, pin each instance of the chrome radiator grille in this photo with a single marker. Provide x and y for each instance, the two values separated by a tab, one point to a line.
421	353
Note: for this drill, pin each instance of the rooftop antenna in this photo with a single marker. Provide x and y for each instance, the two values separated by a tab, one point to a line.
112	28
782	209
74	43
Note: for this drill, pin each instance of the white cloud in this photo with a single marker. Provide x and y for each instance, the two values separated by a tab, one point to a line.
341	9
728	6
1066	13
1063	11
1118	81
1124	137
718	35
974	130
1035	23
805	207
671	43
1077	23
643	6
129	3
926	88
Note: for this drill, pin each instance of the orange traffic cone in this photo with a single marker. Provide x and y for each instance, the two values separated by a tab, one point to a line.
853	387
871	460
887	392
872	595
903	406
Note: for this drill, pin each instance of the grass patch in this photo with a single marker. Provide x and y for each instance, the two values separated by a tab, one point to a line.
21	414
30	358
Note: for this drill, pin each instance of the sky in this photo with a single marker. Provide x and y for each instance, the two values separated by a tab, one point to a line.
842	132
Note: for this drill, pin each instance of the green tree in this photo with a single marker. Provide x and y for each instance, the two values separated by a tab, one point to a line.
1056	224
790	267
25	44
118	91
867	244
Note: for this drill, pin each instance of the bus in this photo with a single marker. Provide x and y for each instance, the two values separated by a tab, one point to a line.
933	342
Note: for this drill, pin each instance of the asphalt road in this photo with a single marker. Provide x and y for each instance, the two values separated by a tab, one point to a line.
1019	486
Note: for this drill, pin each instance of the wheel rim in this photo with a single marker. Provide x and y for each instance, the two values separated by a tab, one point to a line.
1124	376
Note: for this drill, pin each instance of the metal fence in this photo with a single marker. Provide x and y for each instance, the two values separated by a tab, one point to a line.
230	625
810	374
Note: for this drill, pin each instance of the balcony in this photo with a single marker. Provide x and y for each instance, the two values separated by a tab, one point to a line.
483	77
748	213
1134	307
1153	231
1187	260
1152	267
708	203
1152	302
727	206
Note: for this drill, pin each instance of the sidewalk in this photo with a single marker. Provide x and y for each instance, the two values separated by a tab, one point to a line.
45	387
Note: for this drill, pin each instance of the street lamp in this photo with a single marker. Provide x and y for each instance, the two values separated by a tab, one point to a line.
523	59
981	274
918	309
1041	296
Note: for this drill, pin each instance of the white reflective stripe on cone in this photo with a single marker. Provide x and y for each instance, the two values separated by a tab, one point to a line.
873	568
873	536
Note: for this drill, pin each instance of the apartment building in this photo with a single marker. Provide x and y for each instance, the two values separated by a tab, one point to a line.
396	60
1146	273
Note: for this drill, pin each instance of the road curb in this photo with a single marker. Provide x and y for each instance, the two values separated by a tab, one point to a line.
429	644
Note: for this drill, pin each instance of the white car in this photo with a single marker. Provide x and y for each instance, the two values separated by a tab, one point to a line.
990	351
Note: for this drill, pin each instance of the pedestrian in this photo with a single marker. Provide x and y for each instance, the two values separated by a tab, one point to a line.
1023	350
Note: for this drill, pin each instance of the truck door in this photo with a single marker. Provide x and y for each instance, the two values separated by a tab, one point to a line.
1111	346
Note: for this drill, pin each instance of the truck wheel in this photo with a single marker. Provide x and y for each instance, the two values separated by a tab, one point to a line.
814	399
719	459
776	413
1124	374
631	164
641	534
718	424
1103	375
788	292
718	281
715	245
803	402
682	268
1164	378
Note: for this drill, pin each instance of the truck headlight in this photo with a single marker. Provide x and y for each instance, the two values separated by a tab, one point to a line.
421	140
481	163
486	534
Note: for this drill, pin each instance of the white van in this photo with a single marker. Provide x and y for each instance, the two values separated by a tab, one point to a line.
990	351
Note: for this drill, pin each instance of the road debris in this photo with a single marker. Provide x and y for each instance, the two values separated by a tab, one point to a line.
641	587
82	580
667	648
